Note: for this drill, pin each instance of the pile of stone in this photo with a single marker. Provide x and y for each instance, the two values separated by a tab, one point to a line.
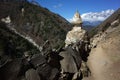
68	63
65	63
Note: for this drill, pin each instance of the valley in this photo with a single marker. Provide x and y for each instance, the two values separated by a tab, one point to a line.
37	44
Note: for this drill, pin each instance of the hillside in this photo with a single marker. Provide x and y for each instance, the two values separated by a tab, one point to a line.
104	57
10	46
12	50
25	30
36	22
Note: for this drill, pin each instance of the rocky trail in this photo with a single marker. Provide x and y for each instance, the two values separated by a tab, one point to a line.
104	59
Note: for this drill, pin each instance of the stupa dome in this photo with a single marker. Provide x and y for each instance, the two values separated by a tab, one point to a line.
77	18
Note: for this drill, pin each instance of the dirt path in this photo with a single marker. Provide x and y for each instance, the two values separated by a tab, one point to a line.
104	60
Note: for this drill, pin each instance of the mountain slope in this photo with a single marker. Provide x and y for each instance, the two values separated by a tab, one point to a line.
12	45
36	22
104	57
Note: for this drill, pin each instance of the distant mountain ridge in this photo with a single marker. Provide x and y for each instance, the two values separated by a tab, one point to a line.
87	23
95	18
106	23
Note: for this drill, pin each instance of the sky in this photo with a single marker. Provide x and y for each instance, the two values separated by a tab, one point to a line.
67	8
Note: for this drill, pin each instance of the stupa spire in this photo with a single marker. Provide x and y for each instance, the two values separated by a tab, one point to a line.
77	18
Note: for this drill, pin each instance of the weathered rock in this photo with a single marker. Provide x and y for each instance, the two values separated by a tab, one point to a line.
54	60
71	60
47	72
85	70
75	35
37	60
32	74
97	38
10	71
115	23
23	78
54	73
76	76
7	20
105	58
66	63
4	59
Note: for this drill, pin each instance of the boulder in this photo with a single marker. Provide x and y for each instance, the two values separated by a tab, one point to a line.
10	71
32	74
47	72
115	23
37	60
77	76
54	60
54	73
7	20
71	60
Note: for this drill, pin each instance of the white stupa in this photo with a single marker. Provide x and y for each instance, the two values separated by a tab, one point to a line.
77	33
77	19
